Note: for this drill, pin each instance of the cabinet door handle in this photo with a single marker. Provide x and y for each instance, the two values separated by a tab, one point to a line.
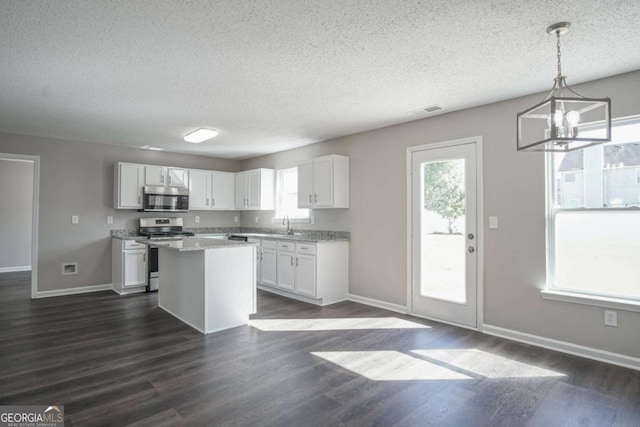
296	261
139	201
310	201
291	260
207	202
213	202
169	179
316	198
144	257
162	177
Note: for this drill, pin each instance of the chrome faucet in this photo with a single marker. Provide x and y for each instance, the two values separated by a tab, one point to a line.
285	220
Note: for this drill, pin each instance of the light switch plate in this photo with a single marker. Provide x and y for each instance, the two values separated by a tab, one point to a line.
197	219
493	222
109	219
235	218
257	219
74	219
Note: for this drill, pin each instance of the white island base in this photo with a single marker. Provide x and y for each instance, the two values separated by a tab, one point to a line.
208	289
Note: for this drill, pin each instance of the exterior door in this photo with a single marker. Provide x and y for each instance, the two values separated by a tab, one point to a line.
444	258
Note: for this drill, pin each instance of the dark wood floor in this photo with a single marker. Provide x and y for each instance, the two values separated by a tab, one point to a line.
120	361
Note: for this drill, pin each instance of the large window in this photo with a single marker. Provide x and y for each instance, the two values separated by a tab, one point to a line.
287	196
594	217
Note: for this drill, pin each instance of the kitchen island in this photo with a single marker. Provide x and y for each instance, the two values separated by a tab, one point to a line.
208	284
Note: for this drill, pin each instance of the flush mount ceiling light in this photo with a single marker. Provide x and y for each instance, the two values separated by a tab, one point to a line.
202	134
564	120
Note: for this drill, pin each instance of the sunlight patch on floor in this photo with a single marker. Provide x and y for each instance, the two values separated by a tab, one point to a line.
485	364
290	325
389	366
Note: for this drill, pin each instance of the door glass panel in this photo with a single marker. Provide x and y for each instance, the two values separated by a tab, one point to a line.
443	252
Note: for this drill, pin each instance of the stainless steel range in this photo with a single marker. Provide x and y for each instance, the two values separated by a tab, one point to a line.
159	229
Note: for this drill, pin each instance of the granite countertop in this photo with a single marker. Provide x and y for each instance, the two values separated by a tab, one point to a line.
301	237
308	236
193	244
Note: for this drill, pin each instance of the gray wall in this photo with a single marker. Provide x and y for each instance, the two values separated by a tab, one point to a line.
16	200
514	190
77	179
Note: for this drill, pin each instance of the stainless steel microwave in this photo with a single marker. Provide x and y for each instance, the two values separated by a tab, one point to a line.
165	199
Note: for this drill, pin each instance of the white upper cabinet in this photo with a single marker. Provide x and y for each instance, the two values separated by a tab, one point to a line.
178	178
223	185
128	183
161	176
211	190
324	182
255	189
199	189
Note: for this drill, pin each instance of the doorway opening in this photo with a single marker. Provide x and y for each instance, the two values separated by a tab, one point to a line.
19	189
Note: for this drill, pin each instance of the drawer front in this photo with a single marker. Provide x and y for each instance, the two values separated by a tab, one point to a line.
306	248
286	246
132	244
270	244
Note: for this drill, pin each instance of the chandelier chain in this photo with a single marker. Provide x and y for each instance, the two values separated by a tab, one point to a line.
558	48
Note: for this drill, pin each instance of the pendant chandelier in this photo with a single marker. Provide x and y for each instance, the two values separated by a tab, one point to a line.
564	120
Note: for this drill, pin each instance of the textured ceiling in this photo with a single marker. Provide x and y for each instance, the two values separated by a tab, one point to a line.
274	75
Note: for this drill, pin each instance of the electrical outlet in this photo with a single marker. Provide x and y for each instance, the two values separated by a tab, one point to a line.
611	318
313	219
235	218
197	219
257	219
74	219
109	219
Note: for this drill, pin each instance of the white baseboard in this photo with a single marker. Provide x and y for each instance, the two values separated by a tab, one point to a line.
129	291
73	291
292	295
377	303
13	269
182	320
564	347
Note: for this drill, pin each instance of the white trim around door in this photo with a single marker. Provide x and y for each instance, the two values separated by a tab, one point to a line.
477	141
34	214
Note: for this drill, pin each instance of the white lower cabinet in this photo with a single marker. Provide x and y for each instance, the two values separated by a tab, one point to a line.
129	266
306	275
317	273
286	270
135	267
268	263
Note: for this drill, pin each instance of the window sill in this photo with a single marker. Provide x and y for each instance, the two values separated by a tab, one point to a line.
605	302
291	220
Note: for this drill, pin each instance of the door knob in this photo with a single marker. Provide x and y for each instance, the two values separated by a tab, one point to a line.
470	236
471	249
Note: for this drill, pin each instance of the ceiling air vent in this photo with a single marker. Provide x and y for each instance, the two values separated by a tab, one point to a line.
425	111
432	109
